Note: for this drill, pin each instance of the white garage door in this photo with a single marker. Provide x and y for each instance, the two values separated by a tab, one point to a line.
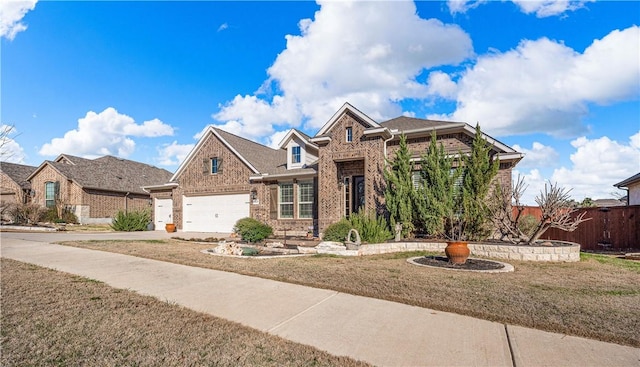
215	213
162	213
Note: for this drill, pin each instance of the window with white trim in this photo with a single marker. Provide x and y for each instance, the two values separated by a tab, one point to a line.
50	194
286	200
305	200
349	134
295	154
214	165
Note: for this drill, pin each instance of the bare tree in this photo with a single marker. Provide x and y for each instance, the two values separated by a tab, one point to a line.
5	131
554	203
503	199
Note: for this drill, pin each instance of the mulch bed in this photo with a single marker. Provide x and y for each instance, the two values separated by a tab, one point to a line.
470	264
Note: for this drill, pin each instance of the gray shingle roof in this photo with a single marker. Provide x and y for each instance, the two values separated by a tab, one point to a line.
18	173
628	181
404	123
264	159
111	173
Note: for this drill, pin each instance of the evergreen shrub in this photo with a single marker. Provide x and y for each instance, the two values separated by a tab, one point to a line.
252	230
131	221
337	232
372	228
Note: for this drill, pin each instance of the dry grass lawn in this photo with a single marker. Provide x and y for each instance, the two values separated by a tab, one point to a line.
597	298
56	319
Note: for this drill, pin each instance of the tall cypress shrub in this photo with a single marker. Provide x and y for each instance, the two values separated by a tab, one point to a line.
399	191
438	194
479	171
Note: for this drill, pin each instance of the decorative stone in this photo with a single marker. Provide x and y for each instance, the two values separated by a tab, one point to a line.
329	245
398	230
274	244
353	244
227	248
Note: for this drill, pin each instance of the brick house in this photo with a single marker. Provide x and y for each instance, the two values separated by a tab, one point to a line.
308	182
94	189
14	186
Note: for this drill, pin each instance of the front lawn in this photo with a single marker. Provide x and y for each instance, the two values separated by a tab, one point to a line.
598	297
56	319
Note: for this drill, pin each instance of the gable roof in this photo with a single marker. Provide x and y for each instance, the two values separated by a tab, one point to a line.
261	157
415	126
107	173
624	183
19	173
406	124
302	136
347	107
257	157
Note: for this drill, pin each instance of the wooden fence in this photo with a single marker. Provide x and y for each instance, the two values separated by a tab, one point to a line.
610	229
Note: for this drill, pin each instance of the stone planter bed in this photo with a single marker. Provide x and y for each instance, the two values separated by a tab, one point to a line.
558	251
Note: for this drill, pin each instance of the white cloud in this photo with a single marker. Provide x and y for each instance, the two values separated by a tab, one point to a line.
173	154
597	164
104	133
542	8
10	150
534	184
539	155
440	84
11	14
370	60
222	27
547	8
462	6
546	86
275	139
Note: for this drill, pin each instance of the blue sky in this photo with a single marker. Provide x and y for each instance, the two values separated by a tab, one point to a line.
558	80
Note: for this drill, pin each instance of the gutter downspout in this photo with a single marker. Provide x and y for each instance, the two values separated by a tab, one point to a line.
126	203
385	147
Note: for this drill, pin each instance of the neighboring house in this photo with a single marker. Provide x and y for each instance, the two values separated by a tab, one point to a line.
309	182
632	185
95	189
607	203
14	186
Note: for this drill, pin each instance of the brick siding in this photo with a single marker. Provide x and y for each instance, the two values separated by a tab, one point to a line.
233	179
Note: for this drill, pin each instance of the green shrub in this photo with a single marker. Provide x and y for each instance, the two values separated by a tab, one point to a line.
338	231
69	217
252	230
131	221
249	251
528	224
372	228
51	215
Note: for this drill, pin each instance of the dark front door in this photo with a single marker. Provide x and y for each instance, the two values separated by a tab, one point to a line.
358	194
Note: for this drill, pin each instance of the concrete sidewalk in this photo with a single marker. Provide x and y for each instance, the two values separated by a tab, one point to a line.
379	332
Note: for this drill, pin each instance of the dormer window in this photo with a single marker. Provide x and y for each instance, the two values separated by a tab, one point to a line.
349	135
295	154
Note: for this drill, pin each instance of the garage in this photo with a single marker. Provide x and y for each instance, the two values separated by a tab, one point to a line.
214	213
162	211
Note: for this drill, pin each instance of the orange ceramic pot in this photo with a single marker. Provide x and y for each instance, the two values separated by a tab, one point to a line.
170	227
457	252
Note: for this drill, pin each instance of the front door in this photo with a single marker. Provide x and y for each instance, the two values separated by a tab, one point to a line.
358	194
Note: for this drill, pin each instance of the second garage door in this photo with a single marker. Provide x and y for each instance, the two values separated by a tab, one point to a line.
215	213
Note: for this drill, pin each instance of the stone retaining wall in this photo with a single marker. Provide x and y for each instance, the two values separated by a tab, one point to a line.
570	253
